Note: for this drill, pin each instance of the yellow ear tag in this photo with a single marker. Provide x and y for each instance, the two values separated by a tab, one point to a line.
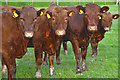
115	17
100	17
41	13
70	14
48	16
104	10
81	12
15	14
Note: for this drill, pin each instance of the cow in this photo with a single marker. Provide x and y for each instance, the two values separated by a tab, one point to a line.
104	25
17	29
80	26
49	29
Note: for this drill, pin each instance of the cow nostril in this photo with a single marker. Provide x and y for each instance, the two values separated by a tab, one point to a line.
60	32
92	28
29	34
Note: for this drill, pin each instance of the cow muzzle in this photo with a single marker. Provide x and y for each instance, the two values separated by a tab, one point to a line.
106	28
60	32
92	28
29	34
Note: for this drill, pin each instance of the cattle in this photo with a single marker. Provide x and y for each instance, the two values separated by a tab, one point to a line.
16	32
81	25
104	25
13	43
49	29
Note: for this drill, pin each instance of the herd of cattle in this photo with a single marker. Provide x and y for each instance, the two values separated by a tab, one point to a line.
46	29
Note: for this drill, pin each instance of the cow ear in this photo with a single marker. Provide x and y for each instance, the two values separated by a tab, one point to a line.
104	9
80	9
40	12
49	14
16	13
115	16
70	13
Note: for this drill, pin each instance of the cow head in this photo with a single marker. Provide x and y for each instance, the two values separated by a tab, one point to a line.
92	13
106	20
27	18
58	18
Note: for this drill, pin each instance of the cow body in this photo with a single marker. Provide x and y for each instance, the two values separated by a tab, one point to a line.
14	45
14	40
104	25
49	29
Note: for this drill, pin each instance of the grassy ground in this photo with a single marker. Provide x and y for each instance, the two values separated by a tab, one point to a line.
105	65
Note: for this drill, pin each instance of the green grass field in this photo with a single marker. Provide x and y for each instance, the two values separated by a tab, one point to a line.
105	65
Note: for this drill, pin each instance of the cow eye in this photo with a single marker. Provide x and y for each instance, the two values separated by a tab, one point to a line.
53	18
65	20
35	19
22	20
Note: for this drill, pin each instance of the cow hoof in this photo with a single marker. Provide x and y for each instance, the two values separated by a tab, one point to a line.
45	63
52	71
38	74
94	55
4	69
84	67
66	52
58	61
78	71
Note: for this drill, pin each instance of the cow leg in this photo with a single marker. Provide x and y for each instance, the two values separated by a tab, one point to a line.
84	53
94	49
51	63
76	50
58	55
39	59
4	67
11	66
65	47
45	62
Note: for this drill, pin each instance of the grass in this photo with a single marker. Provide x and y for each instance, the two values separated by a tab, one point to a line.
105	65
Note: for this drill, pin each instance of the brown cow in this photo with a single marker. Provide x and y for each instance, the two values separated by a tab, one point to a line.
49	29
103	26
14	41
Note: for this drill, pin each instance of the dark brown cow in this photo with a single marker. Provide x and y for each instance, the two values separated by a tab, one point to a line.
14	42
103	26
49	29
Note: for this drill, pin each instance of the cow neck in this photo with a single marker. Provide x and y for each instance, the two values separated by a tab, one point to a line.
101	27
50	27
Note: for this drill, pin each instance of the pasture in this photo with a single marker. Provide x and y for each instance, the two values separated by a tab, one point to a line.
105	65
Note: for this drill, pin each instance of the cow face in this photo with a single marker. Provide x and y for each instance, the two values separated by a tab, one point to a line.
27	18
106	20
58	18
92	12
